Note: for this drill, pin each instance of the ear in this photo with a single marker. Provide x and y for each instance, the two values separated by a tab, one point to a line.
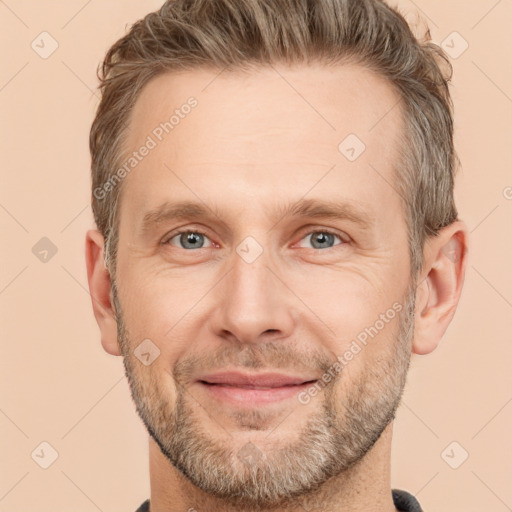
440	285
101	291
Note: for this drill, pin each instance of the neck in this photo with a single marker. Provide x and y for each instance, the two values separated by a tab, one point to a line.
366	486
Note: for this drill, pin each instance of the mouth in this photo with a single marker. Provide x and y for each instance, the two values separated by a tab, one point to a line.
250	390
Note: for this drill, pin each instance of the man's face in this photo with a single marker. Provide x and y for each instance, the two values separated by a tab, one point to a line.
249	287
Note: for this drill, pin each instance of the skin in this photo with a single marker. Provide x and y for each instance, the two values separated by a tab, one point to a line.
251	145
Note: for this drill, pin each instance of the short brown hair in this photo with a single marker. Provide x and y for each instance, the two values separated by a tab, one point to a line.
244	34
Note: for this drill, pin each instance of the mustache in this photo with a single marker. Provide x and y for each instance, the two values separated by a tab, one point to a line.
275	356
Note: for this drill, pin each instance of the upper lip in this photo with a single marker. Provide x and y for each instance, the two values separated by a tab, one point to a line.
271	380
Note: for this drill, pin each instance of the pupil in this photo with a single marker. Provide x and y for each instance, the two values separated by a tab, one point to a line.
191	239
322	238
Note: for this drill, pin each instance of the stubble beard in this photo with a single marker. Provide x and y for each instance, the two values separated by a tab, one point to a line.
340	430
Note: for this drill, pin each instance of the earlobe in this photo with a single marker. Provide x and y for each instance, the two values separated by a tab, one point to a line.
440	286
101	291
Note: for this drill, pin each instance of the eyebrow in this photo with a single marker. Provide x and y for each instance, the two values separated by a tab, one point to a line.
307	208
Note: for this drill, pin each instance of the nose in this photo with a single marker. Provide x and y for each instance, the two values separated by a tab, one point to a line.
253	304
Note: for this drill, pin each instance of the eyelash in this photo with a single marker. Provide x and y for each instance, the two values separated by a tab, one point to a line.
199	232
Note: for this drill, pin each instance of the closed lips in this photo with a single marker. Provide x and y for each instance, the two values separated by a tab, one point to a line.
255	381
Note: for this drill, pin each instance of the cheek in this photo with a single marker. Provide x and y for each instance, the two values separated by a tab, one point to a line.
334	303
346	295
157	307
353	312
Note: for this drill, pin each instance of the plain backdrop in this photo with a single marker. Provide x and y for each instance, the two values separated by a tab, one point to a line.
452	446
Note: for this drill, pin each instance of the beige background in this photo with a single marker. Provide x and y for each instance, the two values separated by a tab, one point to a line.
59	386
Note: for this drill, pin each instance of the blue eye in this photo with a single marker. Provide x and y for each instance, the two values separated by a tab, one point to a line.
189	240
322	239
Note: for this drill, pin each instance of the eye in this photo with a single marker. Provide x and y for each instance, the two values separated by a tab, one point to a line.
322	239
191	239
188	239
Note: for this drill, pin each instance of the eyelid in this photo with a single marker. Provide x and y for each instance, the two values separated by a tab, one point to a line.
179	231
305	231
313	228
342	236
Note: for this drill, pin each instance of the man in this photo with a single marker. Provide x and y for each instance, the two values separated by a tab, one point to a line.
273	191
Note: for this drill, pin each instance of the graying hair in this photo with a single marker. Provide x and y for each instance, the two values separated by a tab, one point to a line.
245	34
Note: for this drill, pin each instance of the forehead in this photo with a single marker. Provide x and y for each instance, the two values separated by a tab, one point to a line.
254	137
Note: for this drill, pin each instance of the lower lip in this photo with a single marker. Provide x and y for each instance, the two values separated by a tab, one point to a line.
251	396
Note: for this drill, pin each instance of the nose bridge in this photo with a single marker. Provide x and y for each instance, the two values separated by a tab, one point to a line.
250	275
252	300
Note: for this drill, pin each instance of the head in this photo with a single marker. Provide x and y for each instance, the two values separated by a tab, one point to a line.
315	141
